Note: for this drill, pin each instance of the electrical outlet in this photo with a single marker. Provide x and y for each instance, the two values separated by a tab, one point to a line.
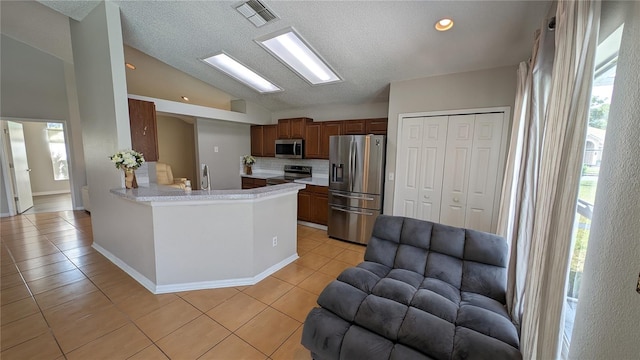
275	241
215	149
391	176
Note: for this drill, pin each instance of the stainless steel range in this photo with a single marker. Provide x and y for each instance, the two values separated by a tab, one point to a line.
291	173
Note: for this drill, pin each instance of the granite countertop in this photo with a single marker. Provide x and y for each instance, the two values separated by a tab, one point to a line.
315	180
155	193
263	174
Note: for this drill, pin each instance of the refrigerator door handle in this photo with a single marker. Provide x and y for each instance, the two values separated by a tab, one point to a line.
352	164
353	197
352	211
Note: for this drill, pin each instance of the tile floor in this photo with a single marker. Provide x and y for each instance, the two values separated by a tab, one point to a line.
60	299
50	203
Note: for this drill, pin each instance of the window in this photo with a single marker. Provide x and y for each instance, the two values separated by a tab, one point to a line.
606	58
58	151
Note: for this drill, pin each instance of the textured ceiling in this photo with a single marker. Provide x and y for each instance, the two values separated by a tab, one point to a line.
369	43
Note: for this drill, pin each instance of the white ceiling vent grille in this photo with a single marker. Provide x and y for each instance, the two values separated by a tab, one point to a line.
256	12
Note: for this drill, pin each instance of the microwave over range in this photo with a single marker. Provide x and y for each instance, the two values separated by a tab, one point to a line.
290	148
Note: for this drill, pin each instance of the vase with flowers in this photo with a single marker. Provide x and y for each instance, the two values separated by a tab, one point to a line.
128	161
248	161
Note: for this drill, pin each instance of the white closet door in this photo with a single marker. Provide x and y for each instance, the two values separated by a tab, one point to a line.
421	153
457	170
485	158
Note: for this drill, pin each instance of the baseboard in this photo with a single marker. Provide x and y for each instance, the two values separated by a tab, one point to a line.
5	214
313	225
53	192
143	280
201	285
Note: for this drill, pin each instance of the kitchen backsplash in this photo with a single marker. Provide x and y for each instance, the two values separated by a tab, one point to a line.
320	167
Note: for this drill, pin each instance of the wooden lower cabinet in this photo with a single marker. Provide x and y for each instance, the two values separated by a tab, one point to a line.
313	204
252	183
304	205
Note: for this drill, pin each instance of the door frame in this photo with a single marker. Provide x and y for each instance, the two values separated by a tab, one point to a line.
4	163
504	142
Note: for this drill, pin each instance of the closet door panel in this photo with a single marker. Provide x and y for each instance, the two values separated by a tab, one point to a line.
408	170
432	167
484	167
457	170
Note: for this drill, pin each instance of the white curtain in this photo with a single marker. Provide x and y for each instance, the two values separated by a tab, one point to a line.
540	195
515	220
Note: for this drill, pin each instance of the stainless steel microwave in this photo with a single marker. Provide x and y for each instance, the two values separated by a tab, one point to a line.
289	148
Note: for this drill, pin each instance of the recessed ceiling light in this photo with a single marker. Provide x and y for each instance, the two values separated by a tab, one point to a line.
130	66
295	53
444	24
185	98
238	71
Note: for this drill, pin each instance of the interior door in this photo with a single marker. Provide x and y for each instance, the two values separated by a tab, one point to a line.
421	161
457	170
485	159
420	168
19	165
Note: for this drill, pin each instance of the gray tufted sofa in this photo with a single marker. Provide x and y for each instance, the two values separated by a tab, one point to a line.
424	291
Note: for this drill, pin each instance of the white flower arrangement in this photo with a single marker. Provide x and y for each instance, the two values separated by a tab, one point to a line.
248	160
127	159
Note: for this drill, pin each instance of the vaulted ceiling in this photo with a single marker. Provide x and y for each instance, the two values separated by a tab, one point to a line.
369	43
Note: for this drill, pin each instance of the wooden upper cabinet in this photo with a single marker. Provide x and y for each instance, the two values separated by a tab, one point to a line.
292	128
263	140
144	128
376	126
313	133
284	129
269	137
256	140
329	128
353	127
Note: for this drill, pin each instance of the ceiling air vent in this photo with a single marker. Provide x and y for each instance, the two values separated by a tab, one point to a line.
256	12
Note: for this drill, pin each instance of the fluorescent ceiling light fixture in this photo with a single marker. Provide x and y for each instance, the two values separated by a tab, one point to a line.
444	24
236	70
294	52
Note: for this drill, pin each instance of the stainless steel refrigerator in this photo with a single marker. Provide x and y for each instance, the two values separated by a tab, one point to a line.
356	179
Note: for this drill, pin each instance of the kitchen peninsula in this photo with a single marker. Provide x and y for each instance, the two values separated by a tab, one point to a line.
171	240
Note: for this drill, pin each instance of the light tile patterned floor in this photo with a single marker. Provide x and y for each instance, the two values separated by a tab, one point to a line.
61	299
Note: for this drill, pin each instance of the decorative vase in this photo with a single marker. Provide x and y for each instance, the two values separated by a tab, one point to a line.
247	169
130	181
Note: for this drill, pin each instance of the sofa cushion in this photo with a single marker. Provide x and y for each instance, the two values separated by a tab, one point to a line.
424	291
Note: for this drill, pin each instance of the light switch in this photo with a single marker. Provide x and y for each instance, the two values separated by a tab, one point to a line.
215	149
391	176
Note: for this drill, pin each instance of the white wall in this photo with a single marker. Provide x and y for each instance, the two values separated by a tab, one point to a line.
233	141
102	93
176	146
39	157
37	85
607	324
336	112
469	90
